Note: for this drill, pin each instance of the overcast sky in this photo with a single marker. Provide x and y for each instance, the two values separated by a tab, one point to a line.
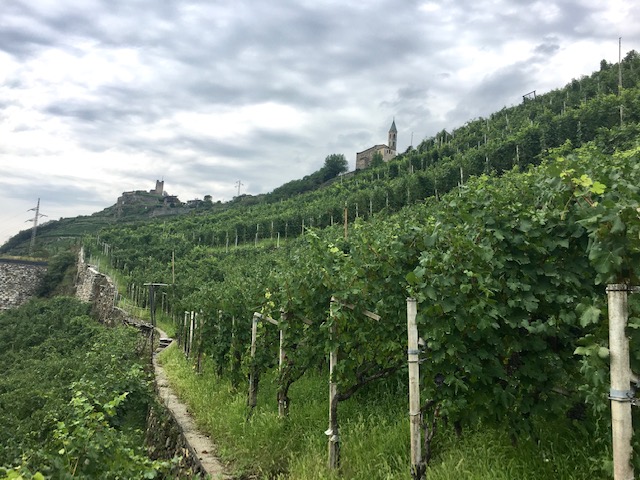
98	97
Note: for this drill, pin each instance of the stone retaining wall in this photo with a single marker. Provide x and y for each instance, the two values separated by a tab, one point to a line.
99	290
19	281
165	439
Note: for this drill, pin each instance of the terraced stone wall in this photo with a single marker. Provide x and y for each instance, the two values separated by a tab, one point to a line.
99	290
19	281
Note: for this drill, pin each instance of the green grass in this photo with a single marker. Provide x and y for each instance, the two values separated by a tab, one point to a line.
103	266
374	435
166	323
163	321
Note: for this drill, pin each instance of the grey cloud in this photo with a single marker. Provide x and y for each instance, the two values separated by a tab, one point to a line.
327	60
547	49
21	43
508	84
54	193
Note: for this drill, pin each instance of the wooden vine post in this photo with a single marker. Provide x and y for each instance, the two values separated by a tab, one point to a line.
417	467
621	395
346	221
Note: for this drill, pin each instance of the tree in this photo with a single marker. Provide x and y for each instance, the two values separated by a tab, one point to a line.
334	165
377	159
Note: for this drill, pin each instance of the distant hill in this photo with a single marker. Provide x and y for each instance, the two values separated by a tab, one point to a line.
586	109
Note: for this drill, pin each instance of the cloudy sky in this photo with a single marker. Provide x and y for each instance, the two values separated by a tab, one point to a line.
98	97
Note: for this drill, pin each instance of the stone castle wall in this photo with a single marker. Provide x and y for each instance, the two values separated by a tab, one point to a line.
19	281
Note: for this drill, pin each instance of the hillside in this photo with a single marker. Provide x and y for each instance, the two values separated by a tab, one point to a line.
504	231
587	109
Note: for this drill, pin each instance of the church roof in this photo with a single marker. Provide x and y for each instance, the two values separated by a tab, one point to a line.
375	148
393	126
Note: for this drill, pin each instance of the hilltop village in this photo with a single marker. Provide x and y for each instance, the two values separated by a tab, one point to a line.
156	202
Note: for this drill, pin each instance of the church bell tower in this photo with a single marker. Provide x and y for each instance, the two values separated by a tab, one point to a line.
393	136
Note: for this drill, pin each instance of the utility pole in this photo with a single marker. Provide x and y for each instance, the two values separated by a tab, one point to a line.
239	184
35	225
619	65
620	77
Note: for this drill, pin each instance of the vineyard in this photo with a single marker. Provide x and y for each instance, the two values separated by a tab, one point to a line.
73	396
503	234
508	273
504	231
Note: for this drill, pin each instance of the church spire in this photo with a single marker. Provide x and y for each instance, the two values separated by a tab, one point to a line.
393	136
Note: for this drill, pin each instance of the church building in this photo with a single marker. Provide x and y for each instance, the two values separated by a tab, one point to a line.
365	158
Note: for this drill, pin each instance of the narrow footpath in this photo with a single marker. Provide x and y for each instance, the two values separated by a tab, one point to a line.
201	444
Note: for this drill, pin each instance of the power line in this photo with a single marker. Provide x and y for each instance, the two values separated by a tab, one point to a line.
8	225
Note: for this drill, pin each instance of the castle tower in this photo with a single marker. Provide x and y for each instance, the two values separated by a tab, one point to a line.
393	136
159	187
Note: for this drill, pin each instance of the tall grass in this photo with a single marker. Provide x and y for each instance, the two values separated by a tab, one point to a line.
374	435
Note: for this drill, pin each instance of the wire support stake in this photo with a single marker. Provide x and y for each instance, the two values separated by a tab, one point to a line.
622	287
623	396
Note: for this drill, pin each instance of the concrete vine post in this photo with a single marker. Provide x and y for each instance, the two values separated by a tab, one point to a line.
152	317
283	407
620	394
252	400
199	330
333	430
253	372
417	468
152	308
192	327
185	333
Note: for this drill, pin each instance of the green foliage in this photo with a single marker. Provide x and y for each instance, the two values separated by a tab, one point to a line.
73	396
376	160
334	165
59	268
89	445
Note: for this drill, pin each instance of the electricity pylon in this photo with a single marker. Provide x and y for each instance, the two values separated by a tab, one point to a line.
35	225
